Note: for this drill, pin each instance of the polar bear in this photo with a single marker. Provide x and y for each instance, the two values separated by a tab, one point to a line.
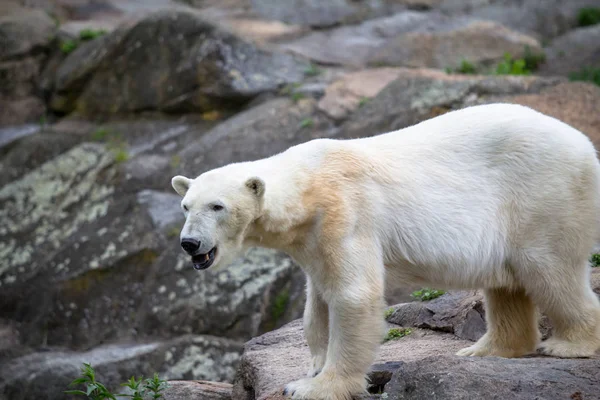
496	197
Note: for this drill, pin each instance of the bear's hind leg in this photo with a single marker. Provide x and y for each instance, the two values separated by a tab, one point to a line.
574	311
512	328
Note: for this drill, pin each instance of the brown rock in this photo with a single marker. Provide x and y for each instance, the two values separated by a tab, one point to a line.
198	390
346	94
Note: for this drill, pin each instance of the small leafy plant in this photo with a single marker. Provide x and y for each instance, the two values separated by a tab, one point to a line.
141	389
363	101
510	66
397	333
595	260
588	16
587	74
114	142
388	313
426	294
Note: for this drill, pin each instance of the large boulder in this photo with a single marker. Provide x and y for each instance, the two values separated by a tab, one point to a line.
172	61
46	375
25	38
573	52
413	39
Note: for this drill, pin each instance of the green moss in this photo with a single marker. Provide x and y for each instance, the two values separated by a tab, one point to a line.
100	134
532	59
68	46
466	68
307	123
588	16
397	333
312	70
586	74
175	161
280	304
173	232
363	101
595	260
90	34
388	313
426	294
121	155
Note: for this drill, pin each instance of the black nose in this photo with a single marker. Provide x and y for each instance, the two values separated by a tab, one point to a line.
190	245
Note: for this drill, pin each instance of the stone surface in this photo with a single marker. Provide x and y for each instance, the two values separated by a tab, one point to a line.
45	375
423	364
460	313
198	390
413	39
25	38
573	52
169	61
352	90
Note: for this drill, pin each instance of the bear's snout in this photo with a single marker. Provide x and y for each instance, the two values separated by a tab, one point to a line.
190	245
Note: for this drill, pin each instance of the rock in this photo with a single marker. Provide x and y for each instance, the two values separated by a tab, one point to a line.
272	360
264	130
414	39
45	375
351	91
423	364
200	390
460	313
572	52
24	31
320	13
25	38
169	61
420	94
450	377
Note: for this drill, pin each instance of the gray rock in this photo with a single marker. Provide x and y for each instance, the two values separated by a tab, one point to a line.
414	39
24	30
169	61
450	377
460	313
573	52
45	375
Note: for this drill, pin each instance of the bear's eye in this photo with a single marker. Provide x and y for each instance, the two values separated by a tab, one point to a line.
185	207
217	207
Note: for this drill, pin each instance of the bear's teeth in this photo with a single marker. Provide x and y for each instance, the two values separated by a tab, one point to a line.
206	257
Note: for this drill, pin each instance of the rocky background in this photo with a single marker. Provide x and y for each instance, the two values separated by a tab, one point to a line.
102	102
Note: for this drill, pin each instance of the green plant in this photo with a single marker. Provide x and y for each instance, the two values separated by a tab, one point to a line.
363	101
141	389
532	59
388	313
68	46
312	70
397	333
120	154
94	389
280	304
510	66
588	74
90	34
426	294
306	123
595	260
466	67
100	134
588	16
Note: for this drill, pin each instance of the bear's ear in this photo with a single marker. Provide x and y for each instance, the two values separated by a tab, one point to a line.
256	185
181	184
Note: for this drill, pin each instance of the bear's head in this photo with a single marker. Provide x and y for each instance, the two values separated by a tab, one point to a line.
219	209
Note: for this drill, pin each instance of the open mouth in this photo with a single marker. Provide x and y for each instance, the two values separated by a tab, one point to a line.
203	261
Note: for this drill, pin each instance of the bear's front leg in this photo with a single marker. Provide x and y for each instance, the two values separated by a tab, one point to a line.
316	328
355	334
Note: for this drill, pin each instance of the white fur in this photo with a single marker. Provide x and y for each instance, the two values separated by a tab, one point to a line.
496	197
